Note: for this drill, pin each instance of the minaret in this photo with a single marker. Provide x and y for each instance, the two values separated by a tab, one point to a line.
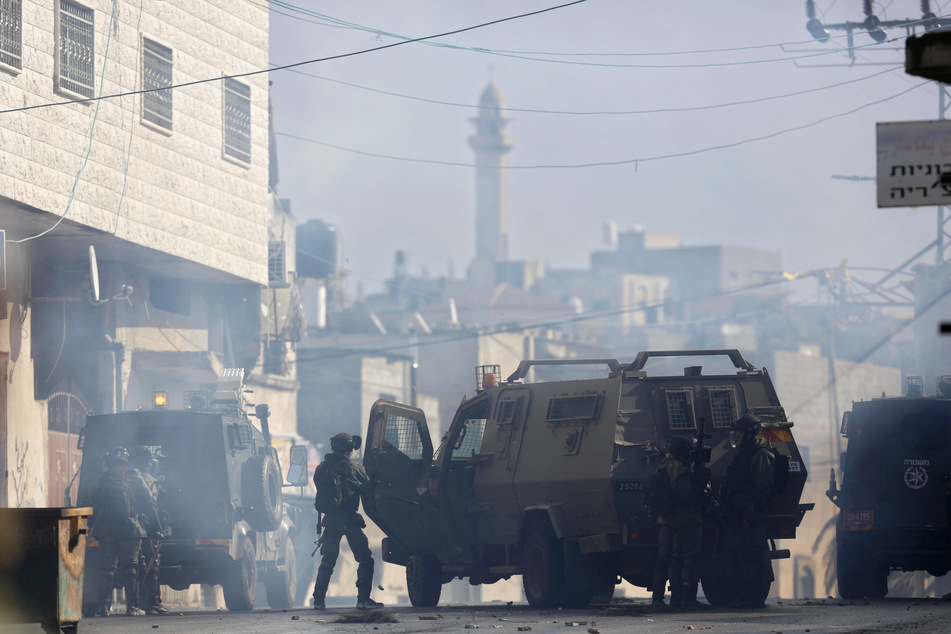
491	144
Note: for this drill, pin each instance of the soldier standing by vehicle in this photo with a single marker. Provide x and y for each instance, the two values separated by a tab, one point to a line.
677	495
117	528
340	481
146	488
745	496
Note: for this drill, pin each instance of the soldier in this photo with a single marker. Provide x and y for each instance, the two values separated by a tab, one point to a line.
146	487
116	526
340	482
677	498
745	497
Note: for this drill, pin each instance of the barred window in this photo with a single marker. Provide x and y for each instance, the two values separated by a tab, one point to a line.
573	408
680	409
277	264
723	407
156	75
11	32
77	51
469	441
403	433
237	120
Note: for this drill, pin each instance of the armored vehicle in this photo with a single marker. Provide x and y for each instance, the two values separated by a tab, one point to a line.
220	494
547	480
895	500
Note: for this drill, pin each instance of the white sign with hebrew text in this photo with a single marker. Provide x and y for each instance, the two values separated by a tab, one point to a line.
914	163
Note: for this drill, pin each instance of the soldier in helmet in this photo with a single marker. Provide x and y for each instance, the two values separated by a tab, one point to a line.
120	534
340	481
146	488
744	498
678	492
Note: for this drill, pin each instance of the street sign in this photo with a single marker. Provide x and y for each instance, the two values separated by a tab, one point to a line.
914	163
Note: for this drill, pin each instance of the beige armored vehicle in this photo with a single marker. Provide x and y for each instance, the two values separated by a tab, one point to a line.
547	480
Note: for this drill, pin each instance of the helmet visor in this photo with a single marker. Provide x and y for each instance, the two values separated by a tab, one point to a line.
736	438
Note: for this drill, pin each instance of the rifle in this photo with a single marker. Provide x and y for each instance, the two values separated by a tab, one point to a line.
319	538
701	455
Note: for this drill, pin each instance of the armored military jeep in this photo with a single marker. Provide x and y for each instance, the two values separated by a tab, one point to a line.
220	494
547	480
895	500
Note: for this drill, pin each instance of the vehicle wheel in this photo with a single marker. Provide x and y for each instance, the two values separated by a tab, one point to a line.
423	581
240	583
851	572
281	586
877	583
261	492
543	571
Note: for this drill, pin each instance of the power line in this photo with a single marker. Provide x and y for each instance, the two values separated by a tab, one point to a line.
295	64
629	161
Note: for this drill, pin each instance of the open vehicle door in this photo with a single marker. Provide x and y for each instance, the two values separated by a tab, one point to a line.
398	459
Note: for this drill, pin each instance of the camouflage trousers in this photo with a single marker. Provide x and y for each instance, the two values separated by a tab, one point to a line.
118	566
678	556
333	532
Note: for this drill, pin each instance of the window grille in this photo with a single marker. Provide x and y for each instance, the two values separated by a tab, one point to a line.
403	433
723	407
680	409
470	439
77	50
277	264
11	32
237	120
156	74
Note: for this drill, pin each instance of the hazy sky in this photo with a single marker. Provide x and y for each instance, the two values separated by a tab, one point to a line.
673	71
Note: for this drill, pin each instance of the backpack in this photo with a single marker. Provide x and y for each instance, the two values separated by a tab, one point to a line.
660	495
780	471
331	483
113	503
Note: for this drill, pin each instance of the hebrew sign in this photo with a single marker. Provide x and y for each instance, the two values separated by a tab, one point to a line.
914	163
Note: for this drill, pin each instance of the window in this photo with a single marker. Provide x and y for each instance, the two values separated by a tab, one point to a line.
11	32
156	75
77	50
573	409
723	407
469	440
237	120
277	264
403	433
680	409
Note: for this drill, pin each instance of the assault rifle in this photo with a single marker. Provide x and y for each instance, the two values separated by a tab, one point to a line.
701	455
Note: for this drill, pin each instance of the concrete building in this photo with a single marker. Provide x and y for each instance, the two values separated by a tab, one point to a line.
137	219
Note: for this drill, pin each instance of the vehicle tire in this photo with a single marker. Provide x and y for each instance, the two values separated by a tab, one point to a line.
719	581
851	571
543	571
240	582
876	583
281	586
261	493
423	581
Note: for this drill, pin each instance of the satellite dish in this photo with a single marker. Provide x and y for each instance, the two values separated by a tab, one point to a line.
93	273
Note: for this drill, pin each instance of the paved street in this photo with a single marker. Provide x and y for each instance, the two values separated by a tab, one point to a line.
890	615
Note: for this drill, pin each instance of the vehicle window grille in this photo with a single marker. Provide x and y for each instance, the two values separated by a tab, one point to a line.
722	407
403	433
76	48
240	436
469	441
11	32
680	409
573	408
237	120
506	412
156	76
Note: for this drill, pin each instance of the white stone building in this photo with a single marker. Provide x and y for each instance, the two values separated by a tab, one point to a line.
139	129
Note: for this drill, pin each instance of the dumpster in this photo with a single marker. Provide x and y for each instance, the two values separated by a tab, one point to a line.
42	559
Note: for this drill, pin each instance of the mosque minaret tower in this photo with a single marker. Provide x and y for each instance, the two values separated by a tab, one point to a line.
491	145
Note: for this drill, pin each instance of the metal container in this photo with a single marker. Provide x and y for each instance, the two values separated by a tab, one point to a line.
42	560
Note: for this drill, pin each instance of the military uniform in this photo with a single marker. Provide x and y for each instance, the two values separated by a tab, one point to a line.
680	532
345	522
146	488
117	528
745	497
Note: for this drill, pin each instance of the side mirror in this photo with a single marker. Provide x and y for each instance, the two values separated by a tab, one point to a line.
297	470
357	442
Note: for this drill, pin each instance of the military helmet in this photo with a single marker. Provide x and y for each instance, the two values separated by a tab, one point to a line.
143	459
680	447
116	455
748	423
344	442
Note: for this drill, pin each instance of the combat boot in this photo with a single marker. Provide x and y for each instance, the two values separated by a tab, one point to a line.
368	604
689	599
320	588
657	597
